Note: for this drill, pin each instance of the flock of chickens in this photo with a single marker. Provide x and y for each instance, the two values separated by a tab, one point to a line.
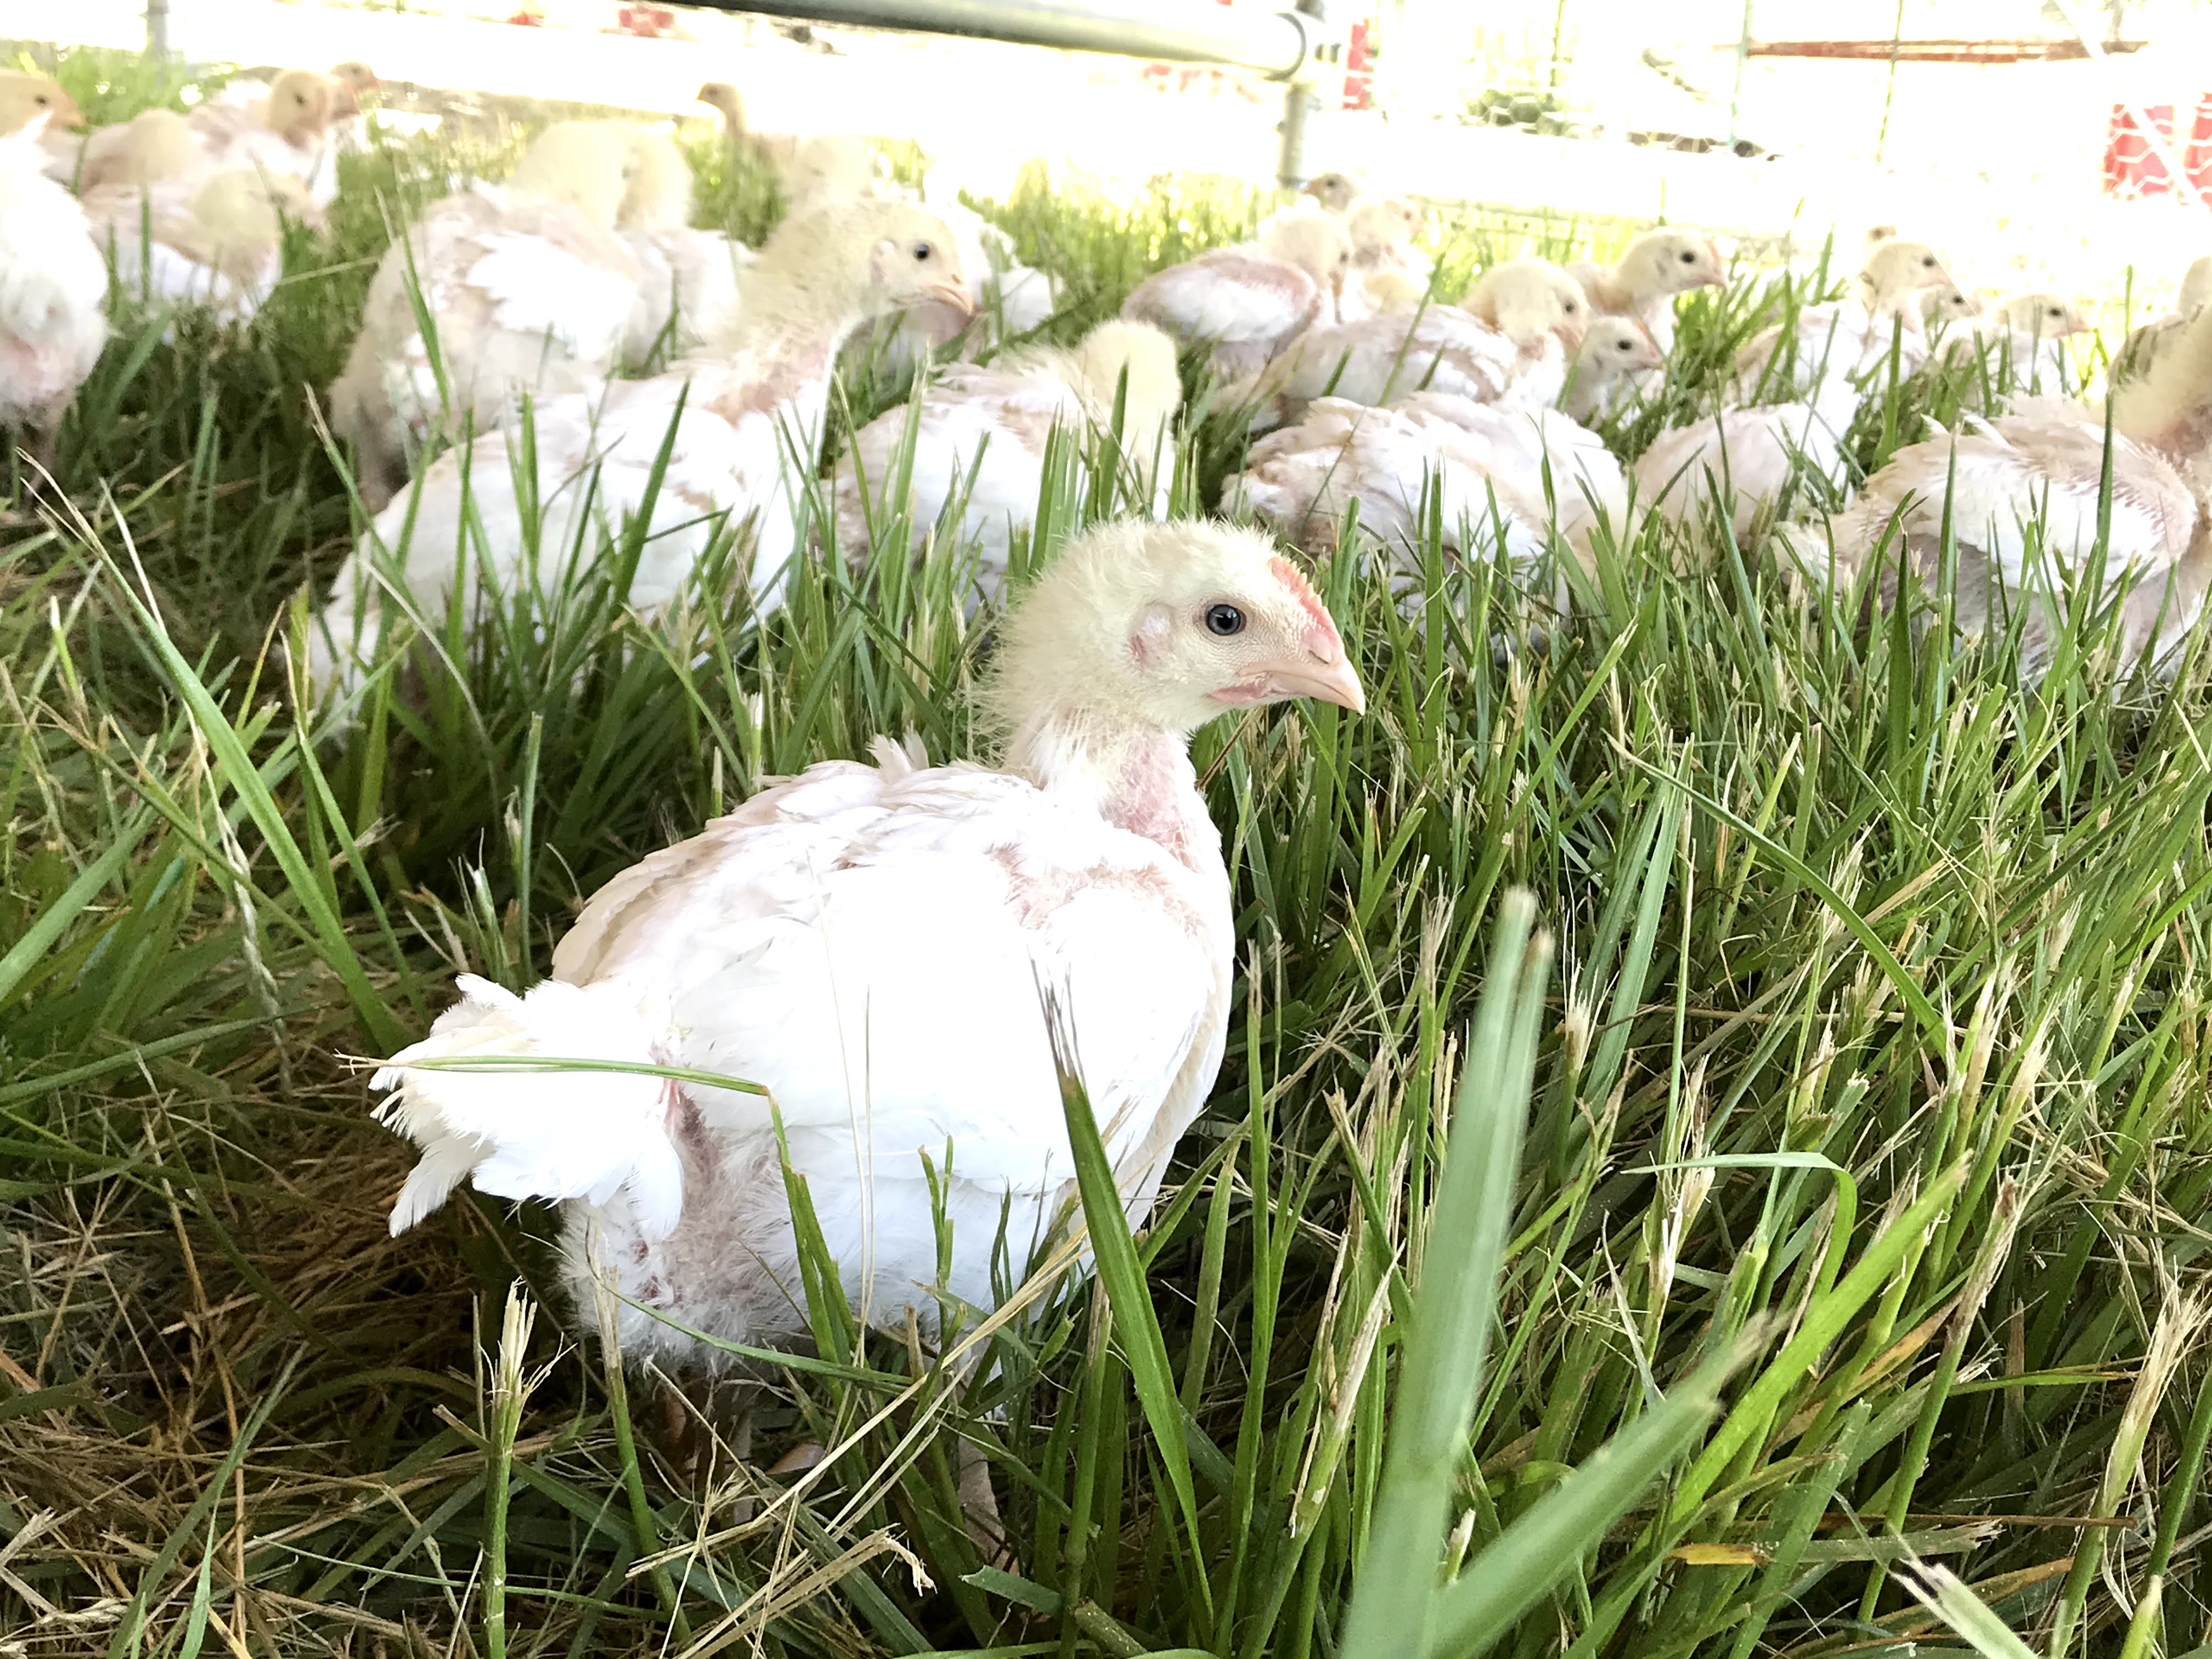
905	955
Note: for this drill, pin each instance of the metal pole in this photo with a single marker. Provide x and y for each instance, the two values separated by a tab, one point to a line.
1278	44
157	28
1742	56
1291	159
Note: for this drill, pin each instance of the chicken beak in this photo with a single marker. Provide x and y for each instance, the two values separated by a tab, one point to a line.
1335	682
953	293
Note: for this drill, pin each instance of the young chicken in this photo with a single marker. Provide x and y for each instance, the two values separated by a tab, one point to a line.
290	133
1381	293
2022	496
54	294
1249	302
1519	361
1335	192
729	104
687	290
983	432
1944	307
217	244
285	134
1643	284
1382	228
24	98
532	292
1838	348
2142	347
349	126
152	146
535	516
2019	346
1006	299
1758	460
830	169
897	954
1521	297
1617	359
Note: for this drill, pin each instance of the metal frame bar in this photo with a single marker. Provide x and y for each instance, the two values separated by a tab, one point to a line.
1274	43
1288	46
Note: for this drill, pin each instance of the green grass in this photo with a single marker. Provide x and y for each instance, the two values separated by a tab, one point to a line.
1828	1130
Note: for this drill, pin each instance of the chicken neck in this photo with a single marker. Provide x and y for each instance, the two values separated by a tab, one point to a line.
1138	778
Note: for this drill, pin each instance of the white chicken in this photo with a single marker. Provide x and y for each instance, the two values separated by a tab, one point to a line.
1643	282
981	432
873	947
531	291
1837	348
1758	460
1519	361
523	519
1250	302
1612	367
54	294
2022	495
1495	473
217	244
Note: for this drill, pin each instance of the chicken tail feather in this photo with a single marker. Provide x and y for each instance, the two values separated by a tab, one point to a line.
533	1128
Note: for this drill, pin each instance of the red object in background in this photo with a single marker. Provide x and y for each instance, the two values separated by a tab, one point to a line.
2196	159
649	21
2131	166
1357	92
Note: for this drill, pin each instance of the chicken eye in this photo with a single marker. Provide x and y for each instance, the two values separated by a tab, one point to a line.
40	101
1688	257
1929	264
921	252
1225	620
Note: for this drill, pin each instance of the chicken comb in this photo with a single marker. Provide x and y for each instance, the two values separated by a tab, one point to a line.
1302	590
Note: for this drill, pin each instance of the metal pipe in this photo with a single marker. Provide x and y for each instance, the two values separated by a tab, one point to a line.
157	28
1291	158
1274	43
